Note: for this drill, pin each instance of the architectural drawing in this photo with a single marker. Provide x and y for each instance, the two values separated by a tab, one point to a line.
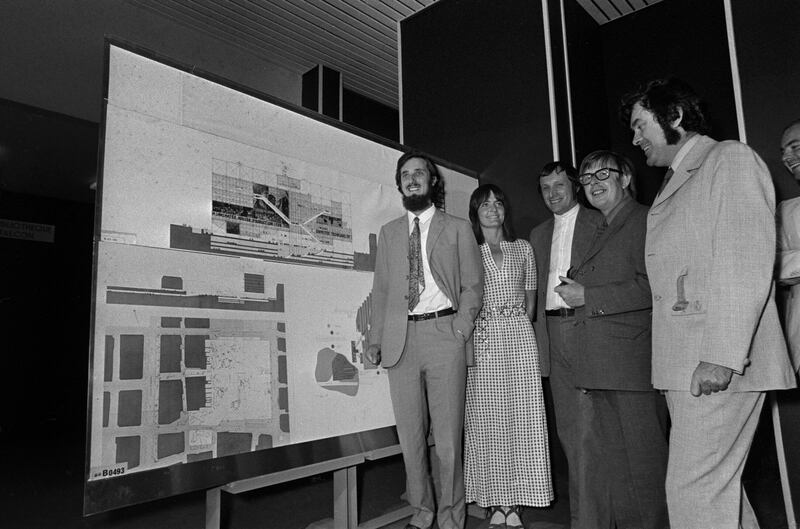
187	372
276	216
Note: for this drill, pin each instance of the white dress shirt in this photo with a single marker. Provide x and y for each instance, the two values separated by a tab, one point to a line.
683	151
560	255
431	299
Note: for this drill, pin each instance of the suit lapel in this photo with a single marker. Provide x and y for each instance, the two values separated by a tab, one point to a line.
603	234
582	237
436	228
400	238
689	165
547	243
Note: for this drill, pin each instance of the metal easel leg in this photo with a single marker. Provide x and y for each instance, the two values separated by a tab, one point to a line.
213	508
345	499
776	429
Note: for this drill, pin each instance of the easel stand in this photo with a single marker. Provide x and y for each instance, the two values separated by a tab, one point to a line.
345	493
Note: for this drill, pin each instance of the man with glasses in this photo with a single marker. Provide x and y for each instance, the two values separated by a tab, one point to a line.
717	341
609	290
557	243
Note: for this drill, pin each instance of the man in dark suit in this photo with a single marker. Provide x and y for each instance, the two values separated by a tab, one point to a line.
609	290
427	290
557	243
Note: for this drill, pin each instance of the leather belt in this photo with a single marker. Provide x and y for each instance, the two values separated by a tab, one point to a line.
429	315
561	313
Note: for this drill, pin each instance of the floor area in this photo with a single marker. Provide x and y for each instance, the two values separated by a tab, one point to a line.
42	488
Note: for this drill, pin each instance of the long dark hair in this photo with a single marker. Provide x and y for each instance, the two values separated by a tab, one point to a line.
479	196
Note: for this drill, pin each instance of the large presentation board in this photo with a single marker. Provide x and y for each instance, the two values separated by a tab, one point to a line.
234	255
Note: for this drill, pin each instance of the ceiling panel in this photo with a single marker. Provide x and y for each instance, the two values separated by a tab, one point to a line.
355	37
604	11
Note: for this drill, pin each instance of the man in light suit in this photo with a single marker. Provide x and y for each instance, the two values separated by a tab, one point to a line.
557	243
421	332
717	342
609	290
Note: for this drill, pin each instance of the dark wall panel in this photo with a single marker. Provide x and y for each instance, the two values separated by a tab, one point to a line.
331	86
591	118
367	114
475	93
310	90
768	51
45	291
661	41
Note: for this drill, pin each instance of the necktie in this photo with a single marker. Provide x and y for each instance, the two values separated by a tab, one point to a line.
667	176
416	277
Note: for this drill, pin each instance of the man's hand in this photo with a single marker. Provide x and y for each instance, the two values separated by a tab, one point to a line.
373	354
571	292
710	378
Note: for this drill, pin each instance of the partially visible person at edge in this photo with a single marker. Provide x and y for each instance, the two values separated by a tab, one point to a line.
557	243
717	341
789	242
427	290
506	458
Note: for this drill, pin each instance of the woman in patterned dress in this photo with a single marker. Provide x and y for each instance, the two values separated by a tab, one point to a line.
506	459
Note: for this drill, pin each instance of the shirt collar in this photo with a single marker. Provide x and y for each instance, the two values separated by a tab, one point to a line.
567	216
424	217
683	151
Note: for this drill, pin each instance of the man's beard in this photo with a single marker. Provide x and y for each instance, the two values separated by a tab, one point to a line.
417	202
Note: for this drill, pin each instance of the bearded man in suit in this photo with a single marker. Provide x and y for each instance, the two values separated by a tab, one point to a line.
717	341
610	292
557	243
427	290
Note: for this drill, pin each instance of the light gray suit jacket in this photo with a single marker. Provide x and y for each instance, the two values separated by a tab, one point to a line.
456	265
710	253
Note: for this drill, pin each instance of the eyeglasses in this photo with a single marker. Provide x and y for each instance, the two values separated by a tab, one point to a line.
599	175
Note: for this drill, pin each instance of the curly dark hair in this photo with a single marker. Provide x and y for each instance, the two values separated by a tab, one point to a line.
477	198
437	182
664	98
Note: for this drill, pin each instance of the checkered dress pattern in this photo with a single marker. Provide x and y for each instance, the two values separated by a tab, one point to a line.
506	459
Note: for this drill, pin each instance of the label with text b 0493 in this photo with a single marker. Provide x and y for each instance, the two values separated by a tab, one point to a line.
109	472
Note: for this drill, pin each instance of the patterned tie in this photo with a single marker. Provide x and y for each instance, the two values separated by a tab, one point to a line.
416	277
667	176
